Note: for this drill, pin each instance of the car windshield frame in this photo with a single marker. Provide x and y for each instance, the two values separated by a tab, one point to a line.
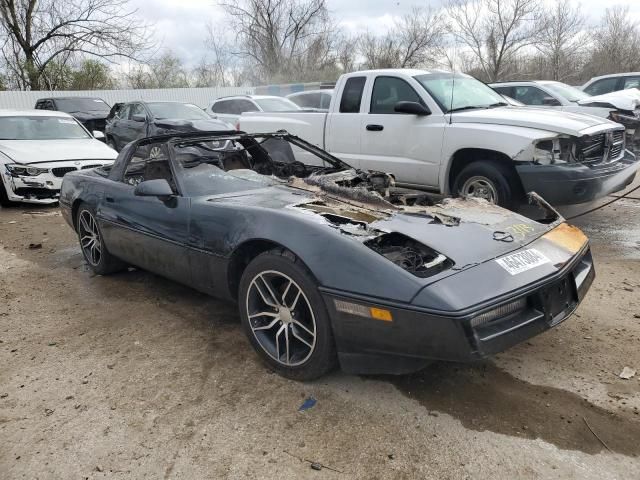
199	114
567	92
249	178
459	83
82	133
73	105
266	104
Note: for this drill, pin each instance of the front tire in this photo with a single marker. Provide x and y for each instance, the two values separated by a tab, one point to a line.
92	244
491	181
285	318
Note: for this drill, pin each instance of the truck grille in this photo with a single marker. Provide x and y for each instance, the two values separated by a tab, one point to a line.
61	171
602	148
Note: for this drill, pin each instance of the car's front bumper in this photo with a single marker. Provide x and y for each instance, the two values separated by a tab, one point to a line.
572	183
416	336
43	188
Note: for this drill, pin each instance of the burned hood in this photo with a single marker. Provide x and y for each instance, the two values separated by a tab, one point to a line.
182	125
622	100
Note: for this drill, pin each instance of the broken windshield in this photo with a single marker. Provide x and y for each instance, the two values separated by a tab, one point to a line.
222	165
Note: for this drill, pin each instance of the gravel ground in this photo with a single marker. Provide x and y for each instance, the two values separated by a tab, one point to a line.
134	376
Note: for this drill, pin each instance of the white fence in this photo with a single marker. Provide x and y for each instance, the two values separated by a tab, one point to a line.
198	96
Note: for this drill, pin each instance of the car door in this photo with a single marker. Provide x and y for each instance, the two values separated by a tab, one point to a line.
137	122
117	125
149	232
409	146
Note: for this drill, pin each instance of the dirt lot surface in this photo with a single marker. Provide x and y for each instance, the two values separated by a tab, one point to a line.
133	376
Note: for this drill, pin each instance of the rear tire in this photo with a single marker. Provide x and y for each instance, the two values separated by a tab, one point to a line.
92	244
293	336
490	180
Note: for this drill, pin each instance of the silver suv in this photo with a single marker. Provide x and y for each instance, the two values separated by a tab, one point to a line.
229	109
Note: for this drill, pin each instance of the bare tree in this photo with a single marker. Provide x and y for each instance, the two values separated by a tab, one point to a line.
493	30
560	39
415	40
278	36
616	44
39	32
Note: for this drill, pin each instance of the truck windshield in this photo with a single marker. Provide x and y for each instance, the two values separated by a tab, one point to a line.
456	92
73	105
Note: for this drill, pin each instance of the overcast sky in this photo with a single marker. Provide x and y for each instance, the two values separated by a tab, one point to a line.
182	25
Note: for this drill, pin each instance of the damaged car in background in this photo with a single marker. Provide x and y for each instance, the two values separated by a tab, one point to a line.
37	148
452	134
329	264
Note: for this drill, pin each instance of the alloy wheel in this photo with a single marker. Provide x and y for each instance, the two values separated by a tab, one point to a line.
281	318
479	187
90	238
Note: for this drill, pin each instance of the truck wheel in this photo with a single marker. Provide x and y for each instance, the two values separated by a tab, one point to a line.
92	244
284	316
491	181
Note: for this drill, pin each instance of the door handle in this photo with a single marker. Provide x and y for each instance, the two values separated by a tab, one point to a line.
110	199
375	128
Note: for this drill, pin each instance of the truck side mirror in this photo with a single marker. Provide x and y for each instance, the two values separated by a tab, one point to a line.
412	108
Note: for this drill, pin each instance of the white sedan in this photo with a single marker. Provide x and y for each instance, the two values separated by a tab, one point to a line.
37	148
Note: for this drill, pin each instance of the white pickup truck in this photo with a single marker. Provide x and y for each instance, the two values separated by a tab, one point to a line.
452	134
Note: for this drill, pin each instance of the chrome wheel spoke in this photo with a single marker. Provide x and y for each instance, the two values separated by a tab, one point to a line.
267	327
299	324
293	332
278	329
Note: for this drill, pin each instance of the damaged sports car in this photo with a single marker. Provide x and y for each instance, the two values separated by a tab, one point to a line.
327	263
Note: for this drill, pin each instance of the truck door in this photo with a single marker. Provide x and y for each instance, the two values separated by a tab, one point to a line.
342	133
406	145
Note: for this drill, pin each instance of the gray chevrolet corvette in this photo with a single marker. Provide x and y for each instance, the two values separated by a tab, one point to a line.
329	264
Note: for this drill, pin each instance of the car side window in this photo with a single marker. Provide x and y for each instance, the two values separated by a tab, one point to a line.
123	112
136	109
308	100
387	91
40	105
221	107
508	91
149	162
352	95
240	106
529	95
606	85
631	82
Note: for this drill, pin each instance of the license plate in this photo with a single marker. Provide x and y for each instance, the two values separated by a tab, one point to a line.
522	261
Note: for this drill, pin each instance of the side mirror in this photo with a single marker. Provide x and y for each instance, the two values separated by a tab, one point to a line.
98	135
154	188
412	108
550	102
139	118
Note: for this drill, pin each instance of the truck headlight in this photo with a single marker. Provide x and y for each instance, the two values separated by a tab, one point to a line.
24	170
553	151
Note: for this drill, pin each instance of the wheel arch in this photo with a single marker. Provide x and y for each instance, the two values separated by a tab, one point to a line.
244	253
466	156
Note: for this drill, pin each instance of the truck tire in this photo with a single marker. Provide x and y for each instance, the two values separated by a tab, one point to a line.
284	316
490	180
